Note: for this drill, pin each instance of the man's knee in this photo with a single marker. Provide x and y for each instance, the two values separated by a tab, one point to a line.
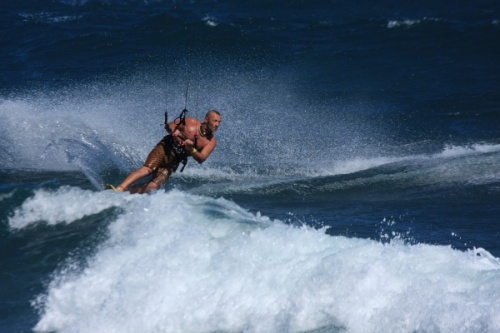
152	186
145	171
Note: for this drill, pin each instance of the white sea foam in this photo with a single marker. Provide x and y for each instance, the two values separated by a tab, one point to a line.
182	263
6	196
48	17
65	205
452	151
397	23
210	21
449	151
409	22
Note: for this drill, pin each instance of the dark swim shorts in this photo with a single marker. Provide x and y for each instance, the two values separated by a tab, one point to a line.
163	161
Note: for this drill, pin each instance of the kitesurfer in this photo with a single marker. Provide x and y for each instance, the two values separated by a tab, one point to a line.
188	138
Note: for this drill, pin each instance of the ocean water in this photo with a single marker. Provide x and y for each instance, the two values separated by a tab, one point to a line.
355	186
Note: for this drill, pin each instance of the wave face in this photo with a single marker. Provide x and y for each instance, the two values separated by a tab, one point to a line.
179	262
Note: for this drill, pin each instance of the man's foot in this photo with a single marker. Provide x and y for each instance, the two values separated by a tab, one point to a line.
116	189
110	187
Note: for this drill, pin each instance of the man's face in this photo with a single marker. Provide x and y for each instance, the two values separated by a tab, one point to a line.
213	121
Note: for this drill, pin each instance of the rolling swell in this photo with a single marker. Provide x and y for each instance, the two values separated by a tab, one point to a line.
178	262
458	171
173	240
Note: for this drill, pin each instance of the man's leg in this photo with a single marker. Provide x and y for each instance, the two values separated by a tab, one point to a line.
133	177
161	176
144	188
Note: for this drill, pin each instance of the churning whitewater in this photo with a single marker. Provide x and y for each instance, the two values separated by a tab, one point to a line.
175	262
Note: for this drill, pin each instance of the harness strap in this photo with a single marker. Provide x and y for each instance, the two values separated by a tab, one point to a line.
177	149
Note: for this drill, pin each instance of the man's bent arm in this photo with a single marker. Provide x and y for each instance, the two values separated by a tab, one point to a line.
200	156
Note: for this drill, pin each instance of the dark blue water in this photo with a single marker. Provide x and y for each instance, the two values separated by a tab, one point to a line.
355	187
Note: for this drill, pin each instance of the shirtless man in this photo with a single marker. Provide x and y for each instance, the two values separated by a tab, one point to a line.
190	138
